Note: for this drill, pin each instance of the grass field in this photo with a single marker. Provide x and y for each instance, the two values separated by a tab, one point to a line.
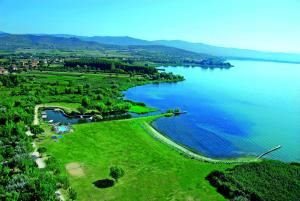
73	107
153	171
67	107
138	109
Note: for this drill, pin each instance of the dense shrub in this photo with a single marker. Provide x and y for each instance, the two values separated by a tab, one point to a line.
266	181
36	129
72	193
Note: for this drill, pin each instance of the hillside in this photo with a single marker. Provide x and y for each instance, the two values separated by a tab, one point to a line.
115	40
158	54
228	53
2	33
13	42
231	53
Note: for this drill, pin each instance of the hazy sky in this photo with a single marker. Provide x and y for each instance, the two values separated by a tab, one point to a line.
256	24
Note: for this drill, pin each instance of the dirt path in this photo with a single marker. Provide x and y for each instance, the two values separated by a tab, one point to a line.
59	195
149	129
36	115
39	161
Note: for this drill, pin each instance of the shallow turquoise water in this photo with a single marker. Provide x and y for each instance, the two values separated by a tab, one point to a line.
245	110
62	128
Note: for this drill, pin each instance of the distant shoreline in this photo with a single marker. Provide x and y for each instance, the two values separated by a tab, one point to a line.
262	60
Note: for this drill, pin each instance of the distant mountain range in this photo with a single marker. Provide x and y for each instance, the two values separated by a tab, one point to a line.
2	33
227	53
232	53
13	42
106	46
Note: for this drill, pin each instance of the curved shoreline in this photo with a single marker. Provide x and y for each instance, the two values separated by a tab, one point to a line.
162	138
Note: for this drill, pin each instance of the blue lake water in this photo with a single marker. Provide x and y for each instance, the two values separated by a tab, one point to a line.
245	110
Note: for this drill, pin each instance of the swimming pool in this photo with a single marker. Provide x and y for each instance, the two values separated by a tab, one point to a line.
62	129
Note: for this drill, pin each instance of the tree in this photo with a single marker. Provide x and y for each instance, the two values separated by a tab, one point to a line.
36	129
80	89
116	172
72	193
85	101
101	107
112	67
42	150
99	96
82	110
70	83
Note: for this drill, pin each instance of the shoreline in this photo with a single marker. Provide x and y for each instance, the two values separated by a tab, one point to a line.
191	154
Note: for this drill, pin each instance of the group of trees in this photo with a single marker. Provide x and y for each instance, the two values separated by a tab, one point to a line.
108	65
209	63
105	107
263	181
102	98
165	77
20	178
10	80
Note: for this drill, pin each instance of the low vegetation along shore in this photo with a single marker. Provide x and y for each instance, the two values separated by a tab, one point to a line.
113	160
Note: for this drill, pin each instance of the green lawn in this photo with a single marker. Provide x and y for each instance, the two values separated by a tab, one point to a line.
67	107
73	107
153	170
138	109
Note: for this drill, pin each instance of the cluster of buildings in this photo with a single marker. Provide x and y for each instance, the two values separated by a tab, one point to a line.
29	63
3	71
11	69
25	64
18	65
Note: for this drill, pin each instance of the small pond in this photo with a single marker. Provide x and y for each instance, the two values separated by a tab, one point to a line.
60	117
57	116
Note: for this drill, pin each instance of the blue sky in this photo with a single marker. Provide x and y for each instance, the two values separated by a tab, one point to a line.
254	24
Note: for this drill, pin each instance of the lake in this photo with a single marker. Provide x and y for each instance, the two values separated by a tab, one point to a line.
245	110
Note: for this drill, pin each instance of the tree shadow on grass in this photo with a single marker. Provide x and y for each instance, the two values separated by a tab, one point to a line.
104	183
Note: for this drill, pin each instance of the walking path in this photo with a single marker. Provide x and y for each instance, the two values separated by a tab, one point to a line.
36	115
59	195
39	161
150	130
